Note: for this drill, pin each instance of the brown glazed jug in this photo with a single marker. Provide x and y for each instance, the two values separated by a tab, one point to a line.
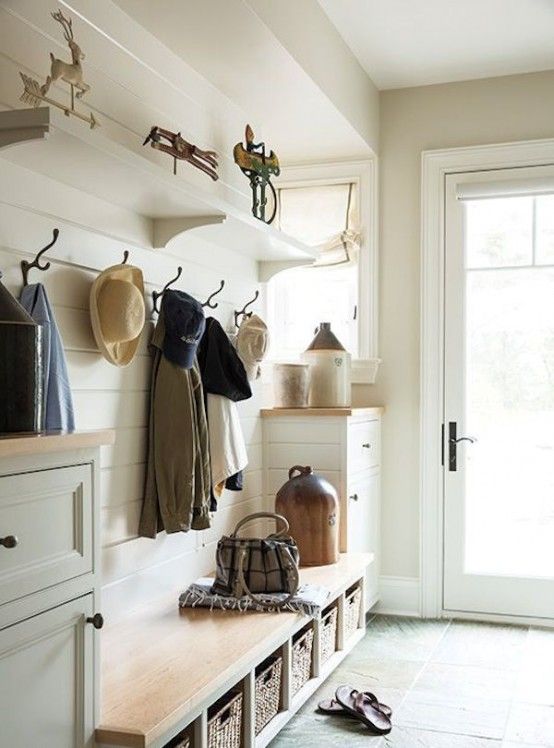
311	506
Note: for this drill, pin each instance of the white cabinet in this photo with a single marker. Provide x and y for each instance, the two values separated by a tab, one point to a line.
49	589
344	446
47	679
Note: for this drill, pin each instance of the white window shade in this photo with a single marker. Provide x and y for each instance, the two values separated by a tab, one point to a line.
325	217
509	188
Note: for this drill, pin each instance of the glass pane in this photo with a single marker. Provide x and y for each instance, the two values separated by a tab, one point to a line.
545	230
499	233
510	410
301	298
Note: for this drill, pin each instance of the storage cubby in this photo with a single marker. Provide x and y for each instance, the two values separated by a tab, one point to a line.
225	721
352	610
328	633
302	658
268	691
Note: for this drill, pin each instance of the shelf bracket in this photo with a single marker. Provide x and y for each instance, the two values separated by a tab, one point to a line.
167	229
268	268
21	125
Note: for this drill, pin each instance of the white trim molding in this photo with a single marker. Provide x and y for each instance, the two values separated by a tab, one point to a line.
399	596
436	165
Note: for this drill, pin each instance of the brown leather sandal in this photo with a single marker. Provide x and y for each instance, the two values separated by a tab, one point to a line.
360	706
332	706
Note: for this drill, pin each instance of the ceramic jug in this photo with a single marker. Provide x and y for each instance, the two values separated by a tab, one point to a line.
311	506
330	376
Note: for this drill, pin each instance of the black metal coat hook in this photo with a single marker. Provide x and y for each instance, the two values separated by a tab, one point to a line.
26	266
125	257
243	312
208	301
156	294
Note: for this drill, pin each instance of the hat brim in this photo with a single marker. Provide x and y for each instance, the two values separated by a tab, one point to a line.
121	353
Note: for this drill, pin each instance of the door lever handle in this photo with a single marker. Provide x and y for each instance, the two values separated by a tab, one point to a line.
470	439
453	441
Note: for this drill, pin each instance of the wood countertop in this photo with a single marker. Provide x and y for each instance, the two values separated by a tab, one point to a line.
376	410
12	445
162	662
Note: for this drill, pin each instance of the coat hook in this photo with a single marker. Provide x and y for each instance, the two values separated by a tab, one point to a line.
125	257
208	301
243	312
156	294
26	266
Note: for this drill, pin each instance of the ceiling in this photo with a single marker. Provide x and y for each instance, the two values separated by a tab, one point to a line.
403	43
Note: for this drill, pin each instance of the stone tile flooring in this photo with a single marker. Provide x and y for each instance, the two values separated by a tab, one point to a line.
450	684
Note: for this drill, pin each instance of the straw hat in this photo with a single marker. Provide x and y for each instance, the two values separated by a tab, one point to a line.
117	312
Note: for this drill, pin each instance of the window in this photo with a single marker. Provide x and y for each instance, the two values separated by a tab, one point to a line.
324	216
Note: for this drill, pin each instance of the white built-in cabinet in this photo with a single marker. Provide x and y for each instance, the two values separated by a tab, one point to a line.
49	590
344	446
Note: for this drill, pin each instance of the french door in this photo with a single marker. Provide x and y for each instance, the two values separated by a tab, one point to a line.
498	440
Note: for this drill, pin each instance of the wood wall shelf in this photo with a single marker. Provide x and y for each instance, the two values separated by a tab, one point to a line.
63	149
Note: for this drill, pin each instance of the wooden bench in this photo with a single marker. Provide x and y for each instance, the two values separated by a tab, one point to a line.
163	667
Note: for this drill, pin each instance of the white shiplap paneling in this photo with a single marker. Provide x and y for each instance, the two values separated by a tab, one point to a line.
107	397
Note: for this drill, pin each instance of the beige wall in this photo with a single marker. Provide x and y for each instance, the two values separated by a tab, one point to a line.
413	120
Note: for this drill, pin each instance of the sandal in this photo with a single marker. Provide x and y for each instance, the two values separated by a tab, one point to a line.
332	706
362	707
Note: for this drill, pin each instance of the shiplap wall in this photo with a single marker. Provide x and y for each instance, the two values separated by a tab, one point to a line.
134	569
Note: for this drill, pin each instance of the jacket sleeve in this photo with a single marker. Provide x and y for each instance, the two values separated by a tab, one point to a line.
223	372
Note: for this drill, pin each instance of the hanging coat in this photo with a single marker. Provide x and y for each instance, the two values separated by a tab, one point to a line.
177	485
57	400
225	383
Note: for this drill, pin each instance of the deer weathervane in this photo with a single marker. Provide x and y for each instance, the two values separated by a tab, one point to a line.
69	72
259	168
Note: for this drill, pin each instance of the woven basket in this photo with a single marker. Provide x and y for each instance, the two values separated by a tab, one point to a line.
267	691
225	722
302	660
328	635
181	741
352	604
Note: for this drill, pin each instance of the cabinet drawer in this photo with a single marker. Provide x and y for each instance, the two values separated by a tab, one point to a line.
364	445
50	514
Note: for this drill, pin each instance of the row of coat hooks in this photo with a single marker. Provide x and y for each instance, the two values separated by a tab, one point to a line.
156	295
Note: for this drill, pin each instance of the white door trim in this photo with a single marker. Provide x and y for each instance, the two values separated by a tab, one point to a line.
435	166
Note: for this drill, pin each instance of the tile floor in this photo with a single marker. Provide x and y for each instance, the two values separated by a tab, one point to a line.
450	684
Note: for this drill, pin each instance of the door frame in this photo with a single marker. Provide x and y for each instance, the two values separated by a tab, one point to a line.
435	165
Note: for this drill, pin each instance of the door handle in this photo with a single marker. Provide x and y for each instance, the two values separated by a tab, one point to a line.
453	441
10	541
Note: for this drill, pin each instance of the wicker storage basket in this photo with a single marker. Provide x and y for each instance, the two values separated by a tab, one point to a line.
352	604
328	635
302	660
225	722
268	691
181	741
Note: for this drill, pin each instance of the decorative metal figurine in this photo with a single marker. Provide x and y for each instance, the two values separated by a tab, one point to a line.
180	149
70	72
258	167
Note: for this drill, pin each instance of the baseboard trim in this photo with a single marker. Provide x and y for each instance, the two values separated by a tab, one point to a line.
399	596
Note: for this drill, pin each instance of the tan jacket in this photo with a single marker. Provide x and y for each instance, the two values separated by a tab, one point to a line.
177	485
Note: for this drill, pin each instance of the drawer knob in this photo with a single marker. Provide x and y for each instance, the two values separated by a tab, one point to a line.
97	620
367	445
10	541
354	497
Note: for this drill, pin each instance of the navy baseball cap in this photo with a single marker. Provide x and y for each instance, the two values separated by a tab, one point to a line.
184	326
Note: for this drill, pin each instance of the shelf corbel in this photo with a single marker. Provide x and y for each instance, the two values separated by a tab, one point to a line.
21	125
167	229
268	268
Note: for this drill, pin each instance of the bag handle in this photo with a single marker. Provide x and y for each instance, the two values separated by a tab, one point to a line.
292	574
267	515
300	470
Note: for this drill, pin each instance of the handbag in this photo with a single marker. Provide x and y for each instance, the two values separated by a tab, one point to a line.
254	567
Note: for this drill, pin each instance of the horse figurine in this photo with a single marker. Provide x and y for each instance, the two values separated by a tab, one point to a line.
181	149
71	73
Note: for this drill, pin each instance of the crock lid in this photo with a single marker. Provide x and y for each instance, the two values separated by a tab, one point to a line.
325	339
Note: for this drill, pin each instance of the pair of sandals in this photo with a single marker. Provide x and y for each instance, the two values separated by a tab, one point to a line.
361	705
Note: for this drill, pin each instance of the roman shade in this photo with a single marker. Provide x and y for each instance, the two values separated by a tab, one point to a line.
532	187
323	216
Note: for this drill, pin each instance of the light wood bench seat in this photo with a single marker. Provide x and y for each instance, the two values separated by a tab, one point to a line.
164	666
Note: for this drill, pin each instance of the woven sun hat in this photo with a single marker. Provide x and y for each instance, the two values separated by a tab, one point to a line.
117	312
252	342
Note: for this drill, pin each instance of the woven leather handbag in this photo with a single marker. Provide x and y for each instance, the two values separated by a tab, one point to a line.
254	567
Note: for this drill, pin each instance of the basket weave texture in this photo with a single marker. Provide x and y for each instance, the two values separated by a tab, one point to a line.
328	636
352	612
302	660
225	727
268	693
